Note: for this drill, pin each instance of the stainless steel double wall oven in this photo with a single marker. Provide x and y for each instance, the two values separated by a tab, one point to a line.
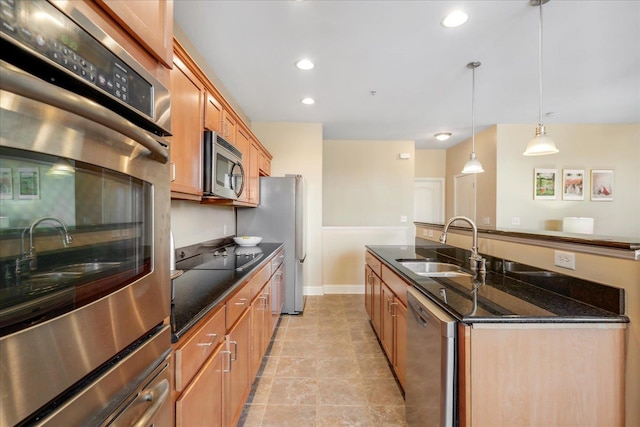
84	225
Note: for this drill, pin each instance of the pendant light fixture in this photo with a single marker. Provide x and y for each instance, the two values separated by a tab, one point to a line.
473	165
541	144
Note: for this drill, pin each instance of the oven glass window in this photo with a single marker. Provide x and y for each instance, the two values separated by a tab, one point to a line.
70	233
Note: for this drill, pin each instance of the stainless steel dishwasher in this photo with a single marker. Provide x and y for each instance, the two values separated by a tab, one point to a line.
431	364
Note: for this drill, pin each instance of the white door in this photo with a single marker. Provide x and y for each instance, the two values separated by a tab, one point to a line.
428	200
464	192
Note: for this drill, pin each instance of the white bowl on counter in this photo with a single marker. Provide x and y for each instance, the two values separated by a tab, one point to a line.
247	240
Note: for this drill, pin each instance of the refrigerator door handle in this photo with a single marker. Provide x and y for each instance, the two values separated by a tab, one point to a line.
303	258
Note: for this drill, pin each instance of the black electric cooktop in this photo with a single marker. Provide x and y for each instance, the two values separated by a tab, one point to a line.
209	275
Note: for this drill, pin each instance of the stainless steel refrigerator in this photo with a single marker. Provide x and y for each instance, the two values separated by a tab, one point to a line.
280	218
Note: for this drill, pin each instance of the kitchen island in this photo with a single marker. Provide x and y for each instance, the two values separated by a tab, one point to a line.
532	347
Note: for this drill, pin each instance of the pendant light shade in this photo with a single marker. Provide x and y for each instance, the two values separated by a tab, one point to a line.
541	144
473	165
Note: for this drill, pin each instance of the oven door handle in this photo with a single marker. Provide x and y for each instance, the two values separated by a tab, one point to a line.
158	396
16	81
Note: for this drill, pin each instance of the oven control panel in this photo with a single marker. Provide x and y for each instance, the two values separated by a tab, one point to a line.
51	35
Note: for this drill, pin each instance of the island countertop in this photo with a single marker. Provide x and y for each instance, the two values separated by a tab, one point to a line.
509	293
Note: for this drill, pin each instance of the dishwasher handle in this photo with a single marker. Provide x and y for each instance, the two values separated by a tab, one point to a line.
427	313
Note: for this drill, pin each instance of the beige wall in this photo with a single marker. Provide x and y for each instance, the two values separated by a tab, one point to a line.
430	163
456	157
193	223
297	149
622	273
582	147
366	183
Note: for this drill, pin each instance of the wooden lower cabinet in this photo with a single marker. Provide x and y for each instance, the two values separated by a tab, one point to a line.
386	329
400	340
541	374
202	401
385	302
238	379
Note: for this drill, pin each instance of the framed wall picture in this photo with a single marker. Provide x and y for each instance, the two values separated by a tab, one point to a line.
29	183
572	184
544	182
601	185
6	183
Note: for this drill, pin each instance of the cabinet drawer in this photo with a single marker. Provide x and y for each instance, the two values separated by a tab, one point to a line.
258	281
238	304
395	283
194	351
374	263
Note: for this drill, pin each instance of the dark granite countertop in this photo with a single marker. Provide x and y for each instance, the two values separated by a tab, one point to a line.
511	292
200	290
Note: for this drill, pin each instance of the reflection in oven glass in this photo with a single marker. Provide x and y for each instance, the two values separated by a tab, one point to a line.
71	233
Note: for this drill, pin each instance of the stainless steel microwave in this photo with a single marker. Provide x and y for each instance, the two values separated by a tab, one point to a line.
223	172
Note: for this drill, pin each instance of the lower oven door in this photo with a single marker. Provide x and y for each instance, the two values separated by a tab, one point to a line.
134	390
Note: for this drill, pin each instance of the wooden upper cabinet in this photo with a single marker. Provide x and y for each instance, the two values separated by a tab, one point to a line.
150	22
213	114
229	126
187	99
251	171
265	163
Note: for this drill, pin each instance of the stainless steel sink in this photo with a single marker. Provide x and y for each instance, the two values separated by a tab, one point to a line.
87	267
433	269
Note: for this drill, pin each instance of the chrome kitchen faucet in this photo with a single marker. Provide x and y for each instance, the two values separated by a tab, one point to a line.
31	256
477	263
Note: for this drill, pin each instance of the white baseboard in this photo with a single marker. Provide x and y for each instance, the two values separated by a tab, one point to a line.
343	289
334	289
313	290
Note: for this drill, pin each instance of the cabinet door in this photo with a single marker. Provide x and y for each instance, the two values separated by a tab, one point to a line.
265	164
187	94
150	22
368	291
277	297
400	340
238	381
386	330
213	114
258	327
202	402
229	126
376	312
253	173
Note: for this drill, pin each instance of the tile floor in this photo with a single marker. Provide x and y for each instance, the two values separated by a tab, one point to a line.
325	368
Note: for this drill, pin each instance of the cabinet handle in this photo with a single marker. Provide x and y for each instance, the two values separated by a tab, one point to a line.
210	343
242	301
235	345
173	171
228	353
393	311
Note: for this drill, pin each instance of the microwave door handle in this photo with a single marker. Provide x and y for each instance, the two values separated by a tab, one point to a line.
16	81
239	192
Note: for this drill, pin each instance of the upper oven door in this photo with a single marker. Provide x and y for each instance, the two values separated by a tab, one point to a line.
84	239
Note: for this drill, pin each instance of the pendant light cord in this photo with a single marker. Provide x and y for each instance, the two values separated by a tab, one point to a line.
473	109
540	64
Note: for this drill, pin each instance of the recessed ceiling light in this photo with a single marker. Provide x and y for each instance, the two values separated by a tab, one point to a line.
308	101
455	19
305	64
442	136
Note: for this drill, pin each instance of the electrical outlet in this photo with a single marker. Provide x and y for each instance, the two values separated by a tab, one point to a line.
224	230
565	259
403	218
425	233
430	233
515	220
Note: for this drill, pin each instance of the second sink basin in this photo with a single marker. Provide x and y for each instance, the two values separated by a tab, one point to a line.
433	268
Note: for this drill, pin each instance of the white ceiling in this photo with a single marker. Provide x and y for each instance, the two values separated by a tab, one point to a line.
591	58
